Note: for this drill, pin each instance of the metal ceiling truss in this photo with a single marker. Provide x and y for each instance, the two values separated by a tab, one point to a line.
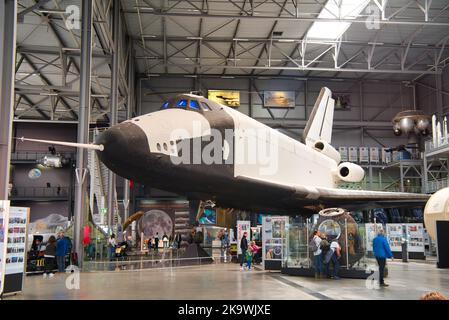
327	56
43	60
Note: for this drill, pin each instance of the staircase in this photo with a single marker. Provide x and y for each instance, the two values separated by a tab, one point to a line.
99	179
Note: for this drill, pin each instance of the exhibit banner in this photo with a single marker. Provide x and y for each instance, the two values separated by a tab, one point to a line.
415	236
15	249
242	227
370	234
395	234
279	99
4	214
228	98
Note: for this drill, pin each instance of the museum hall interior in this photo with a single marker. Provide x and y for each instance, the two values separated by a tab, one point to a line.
224	150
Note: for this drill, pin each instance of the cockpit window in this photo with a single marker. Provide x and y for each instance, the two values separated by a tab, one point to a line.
205	106
165	105
182	103
194	104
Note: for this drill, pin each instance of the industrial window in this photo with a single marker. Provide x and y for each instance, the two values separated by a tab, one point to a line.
182	103
194	104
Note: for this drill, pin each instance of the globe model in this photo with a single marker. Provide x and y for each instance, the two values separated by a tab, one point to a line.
155	221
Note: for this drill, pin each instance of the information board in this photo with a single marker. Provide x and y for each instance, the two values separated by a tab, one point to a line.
370	233
14	249
4	214
395	234
273	237
415	237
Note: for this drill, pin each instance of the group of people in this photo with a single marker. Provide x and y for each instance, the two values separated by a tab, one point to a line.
175	242
328	251
54	253
250	252
325	251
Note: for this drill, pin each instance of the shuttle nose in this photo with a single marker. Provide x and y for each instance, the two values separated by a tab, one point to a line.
123	147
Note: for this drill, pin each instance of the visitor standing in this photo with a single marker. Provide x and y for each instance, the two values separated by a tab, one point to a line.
156	242
333	255
112	243
244	248
314	246
62	249
382	251
49	257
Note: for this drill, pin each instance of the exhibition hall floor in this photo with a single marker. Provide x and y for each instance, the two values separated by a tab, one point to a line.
226	281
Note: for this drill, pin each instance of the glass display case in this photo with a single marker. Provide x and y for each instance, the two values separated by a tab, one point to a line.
334	225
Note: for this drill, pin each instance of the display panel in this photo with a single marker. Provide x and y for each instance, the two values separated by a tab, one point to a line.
370	233
228	98
415	237
279	99
395	235
15	241
4	213
273	237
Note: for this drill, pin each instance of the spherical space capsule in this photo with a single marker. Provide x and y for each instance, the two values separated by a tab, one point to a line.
397	129
406	124
422	124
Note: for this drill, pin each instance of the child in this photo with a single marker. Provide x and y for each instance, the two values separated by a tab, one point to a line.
249	258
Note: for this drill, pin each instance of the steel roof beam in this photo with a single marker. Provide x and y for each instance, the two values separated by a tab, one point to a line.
303	19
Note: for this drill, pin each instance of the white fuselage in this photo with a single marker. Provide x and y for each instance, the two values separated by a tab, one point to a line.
296	163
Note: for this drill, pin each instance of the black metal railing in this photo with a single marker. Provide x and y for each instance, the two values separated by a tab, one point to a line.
37	155
40	192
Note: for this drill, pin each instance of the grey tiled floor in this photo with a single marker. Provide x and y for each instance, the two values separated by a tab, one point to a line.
226	281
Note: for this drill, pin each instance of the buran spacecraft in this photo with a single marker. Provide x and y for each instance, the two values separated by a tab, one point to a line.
203	150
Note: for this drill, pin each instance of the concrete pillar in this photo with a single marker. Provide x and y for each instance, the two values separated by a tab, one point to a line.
8	27
81	203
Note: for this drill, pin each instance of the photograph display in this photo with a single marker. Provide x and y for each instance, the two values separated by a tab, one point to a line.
228	98
279	99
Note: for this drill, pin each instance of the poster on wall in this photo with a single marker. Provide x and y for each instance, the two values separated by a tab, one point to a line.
395	235
4	213
415	236
242	227
279	99
228	98
370	234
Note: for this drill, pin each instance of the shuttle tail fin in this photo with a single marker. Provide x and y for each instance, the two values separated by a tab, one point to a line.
319	125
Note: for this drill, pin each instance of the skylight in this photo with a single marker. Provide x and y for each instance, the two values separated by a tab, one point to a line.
349	9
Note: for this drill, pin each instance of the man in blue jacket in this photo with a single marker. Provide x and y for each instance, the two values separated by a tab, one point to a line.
62	249
382	251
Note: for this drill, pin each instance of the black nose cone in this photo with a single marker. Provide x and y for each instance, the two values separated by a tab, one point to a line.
124	144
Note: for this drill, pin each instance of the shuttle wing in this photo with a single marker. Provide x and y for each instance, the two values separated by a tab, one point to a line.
346	198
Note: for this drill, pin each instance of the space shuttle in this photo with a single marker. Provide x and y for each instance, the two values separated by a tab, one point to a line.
206	151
